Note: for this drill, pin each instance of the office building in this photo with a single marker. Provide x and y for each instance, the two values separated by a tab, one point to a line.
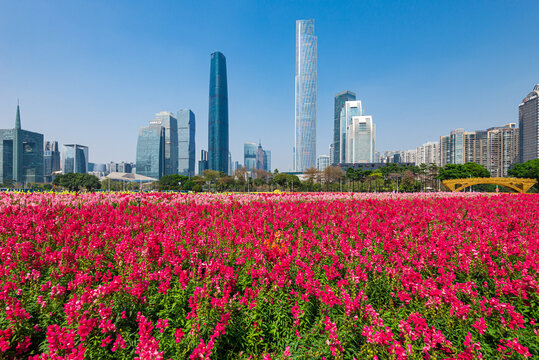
51	160
249	155
218	115
74	158
360	140
186	142
121	167
322	162
268	160
261	163
350	110
21	155
169	123
340	99
454	147
151	151
528	123
502	148
304	152
203	162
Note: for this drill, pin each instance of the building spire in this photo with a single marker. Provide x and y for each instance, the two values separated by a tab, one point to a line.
18	117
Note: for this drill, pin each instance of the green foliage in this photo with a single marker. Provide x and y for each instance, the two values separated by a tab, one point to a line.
173	182
462	171
76	181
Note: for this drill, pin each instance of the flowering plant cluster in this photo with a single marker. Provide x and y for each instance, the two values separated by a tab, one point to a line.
272	276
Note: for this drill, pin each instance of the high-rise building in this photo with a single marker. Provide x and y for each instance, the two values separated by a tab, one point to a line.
340	99
186	142
495	148
151	151
21	154
268	160
51	160
454	147
528	123
350	110
304	152
360	140
322	162
502	149
218	115
428	153
74	158
169	123
261	163
249	155
203	162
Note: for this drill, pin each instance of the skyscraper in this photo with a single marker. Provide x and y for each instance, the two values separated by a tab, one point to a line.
322	162
186	142
74	158
261	163
203	162
218	115
349	110
360	140
340	99
528	123
21	154
51	160
151	151
249	155
305	114
169	123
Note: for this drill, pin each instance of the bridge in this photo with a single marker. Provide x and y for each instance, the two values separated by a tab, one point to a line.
519	185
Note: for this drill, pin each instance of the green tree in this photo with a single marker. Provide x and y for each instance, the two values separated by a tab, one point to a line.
462	171
76	181
172	182
527	170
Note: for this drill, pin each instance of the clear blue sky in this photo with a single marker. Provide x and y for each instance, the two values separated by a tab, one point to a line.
94	72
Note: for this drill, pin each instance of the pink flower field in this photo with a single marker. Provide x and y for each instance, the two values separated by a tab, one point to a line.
267	276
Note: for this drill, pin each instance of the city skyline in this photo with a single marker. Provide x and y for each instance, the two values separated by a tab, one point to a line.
113	88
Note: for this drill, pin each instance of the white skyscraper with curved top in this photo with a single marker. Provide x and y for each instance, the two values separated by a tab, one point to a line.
305	114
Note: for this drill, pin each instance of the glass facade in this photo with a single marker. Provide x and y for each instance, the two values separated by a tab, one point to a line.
249	155
323	162
304	152
169	123
21	155
151	151
218	115
74	159
528	121
349	110
51	160
340	100
186	142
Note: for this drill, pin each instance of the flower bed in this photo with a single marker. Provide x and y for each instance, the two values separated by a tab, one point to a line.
420	276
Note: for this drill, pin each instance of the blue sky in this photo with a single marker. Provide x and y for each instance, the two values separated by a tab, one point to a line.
94	72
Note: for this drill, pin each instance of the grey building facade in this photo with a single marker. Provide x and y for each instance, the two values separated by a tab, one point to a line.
74	158
218	148
21	154
186	142
169	123
51	160
528	122
340	100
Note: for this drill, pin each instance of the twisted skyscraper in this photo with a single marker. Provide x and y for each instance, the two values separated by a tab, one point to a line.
305	116
218	115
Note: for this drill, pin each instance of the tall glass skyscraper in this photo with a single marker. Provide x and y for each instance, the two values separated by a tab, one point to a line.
340	99
349	110
528	118
151	151
169	122
305	115
218	115
186	142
